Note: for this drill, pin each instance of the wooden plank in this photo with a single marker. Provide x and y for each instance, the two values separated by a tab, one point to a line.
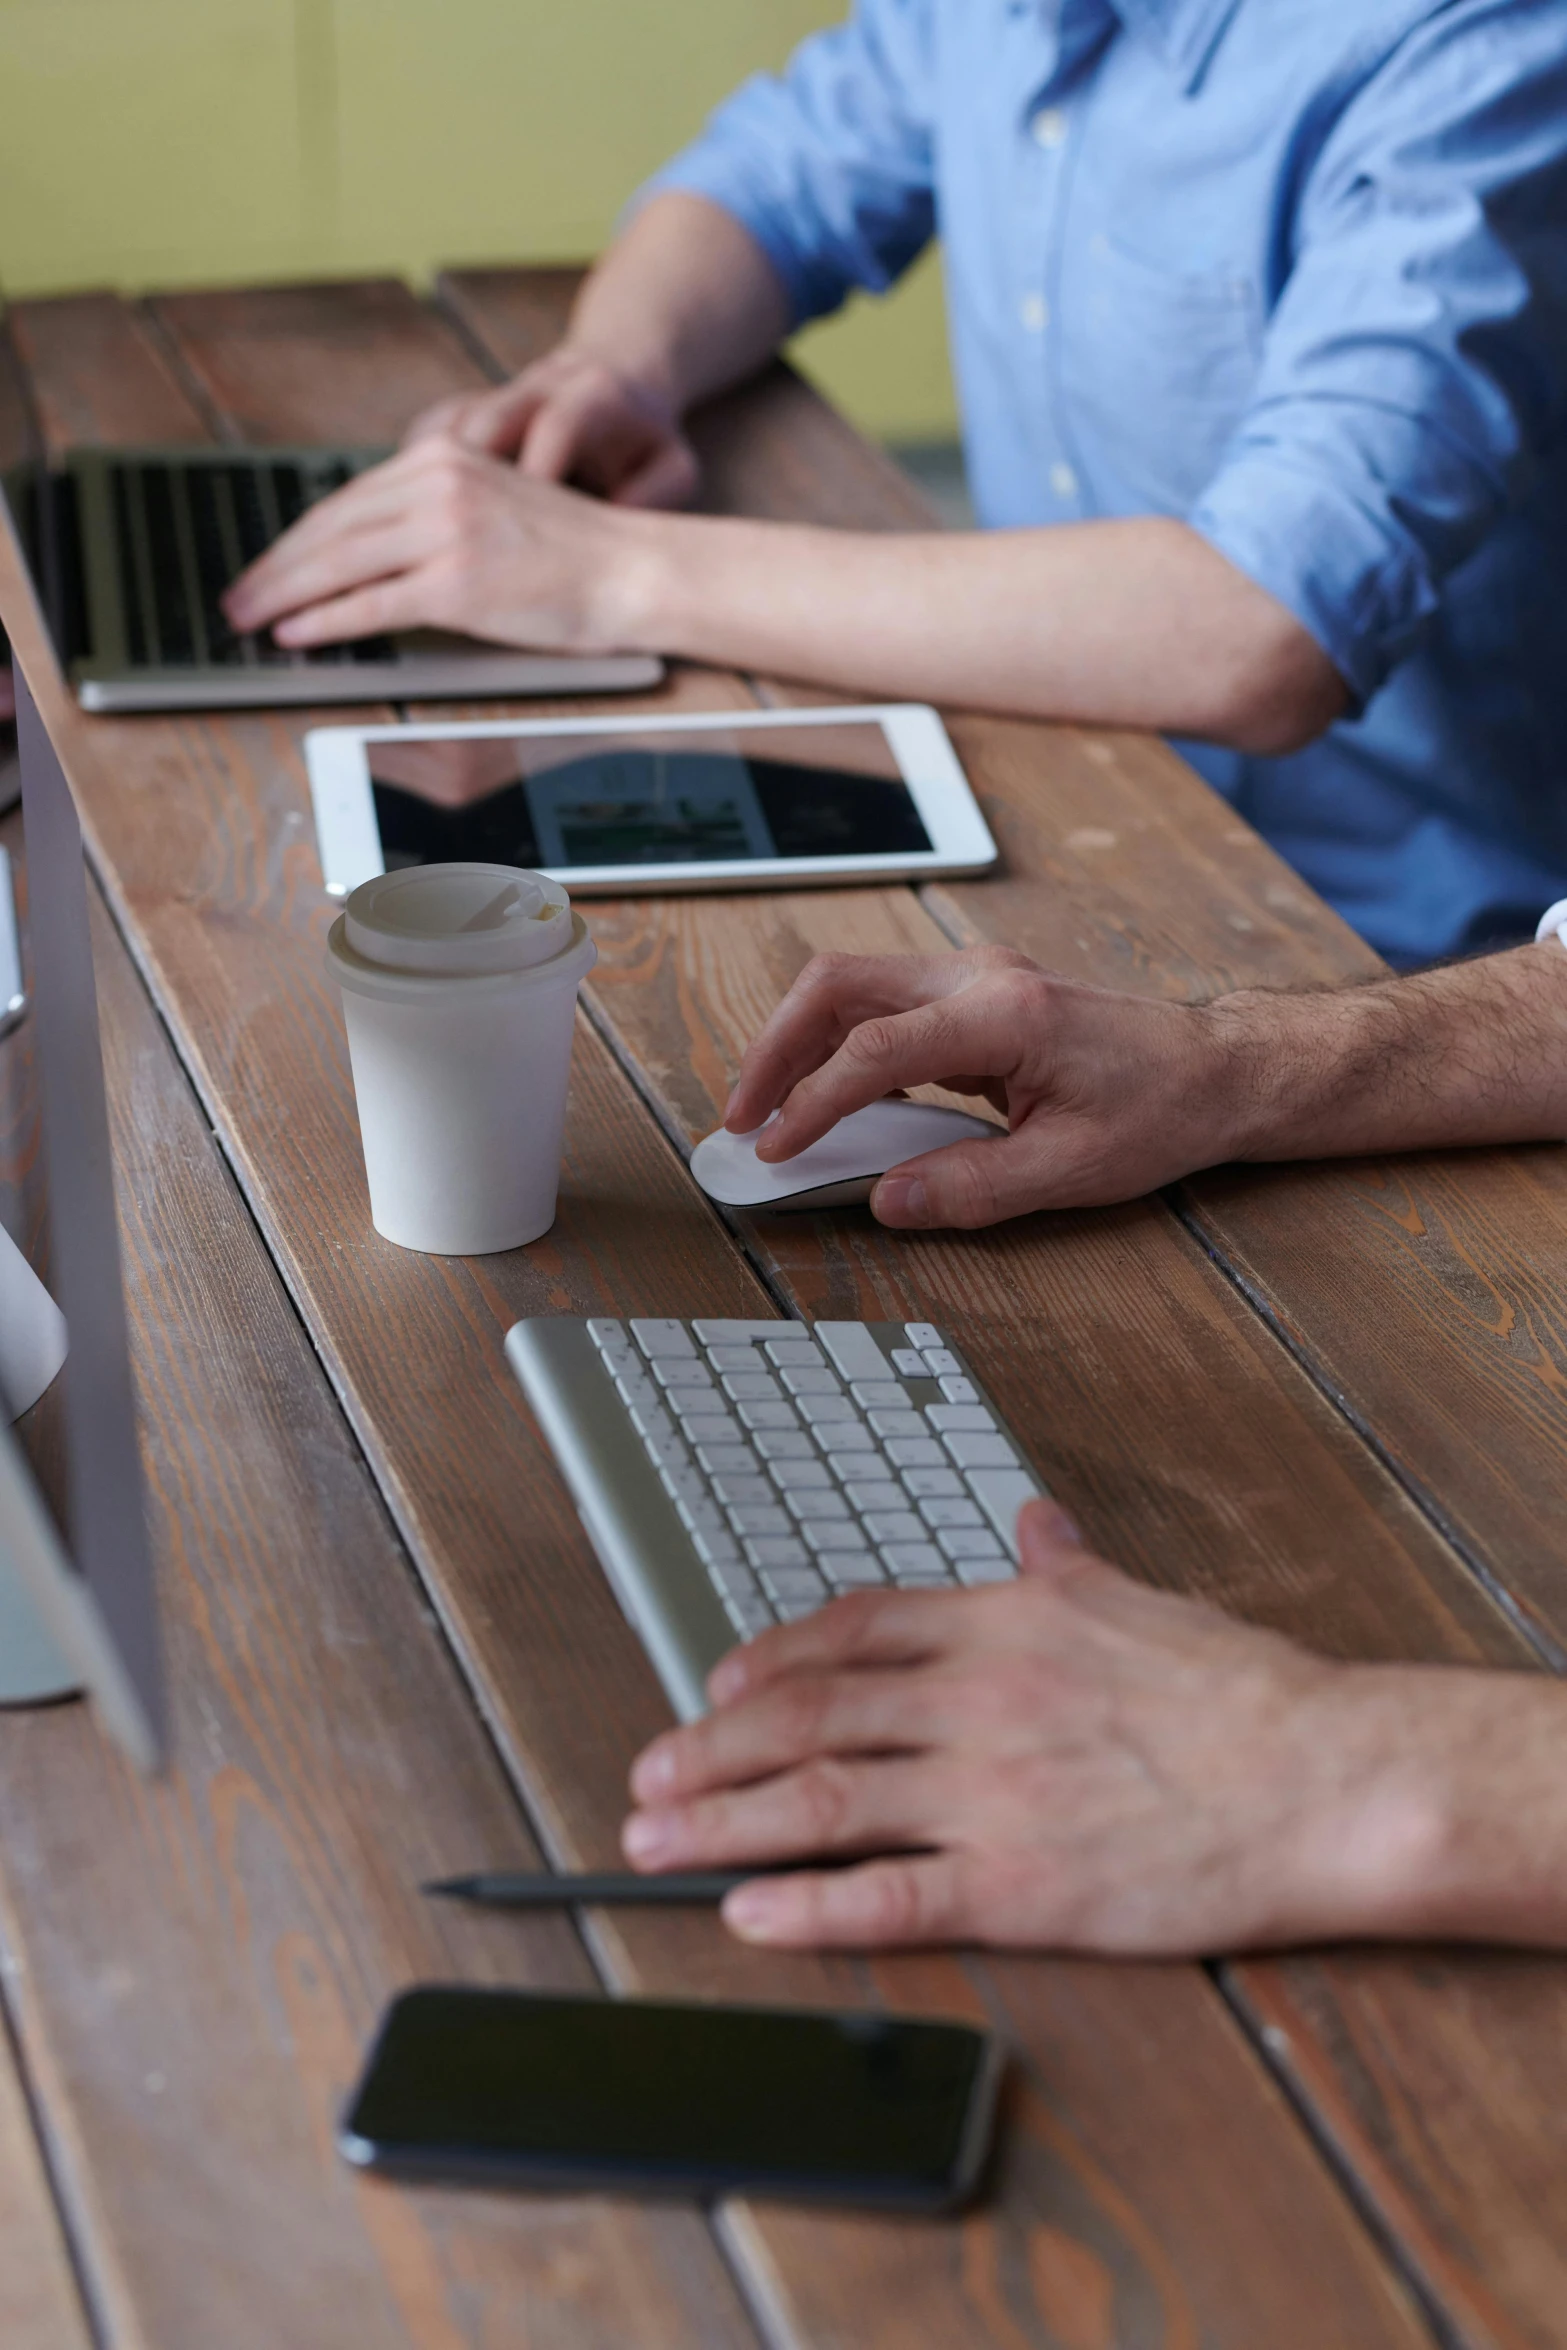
1121	867
40	2308
199	1964
211	865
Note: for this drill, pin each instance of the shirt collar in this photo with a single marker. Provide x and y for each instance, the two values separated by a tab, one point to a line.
1185	33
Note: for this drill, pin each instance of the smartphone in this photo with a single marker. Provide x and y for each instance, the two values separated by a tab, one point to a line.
525	2089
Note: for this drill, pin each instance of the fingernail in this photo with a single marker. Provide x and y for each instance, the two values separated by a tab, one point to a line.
646	1835
753	1911
653	1773
900	1199
726	1681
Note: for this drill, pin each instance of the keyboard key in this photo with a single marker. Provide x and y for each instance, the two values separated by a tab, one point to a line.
976	1571
760	1518
882	1495
770	1551
1001	1493
924	1484
751	1487
726	1460
968	1542
903	1423
672	1371
814	1504
634	1387
653	1424
878	1395
824	1534
981	1452
768	1415
957	1389
783	1444
918	1334
666	1452
787	1583
802	1477
951	1513
821	1411
923	1452
913	1558
718	1428
854	1351
942	1363
822	1382
727	1568
604	1332
840	1440
908	1363
735	1358
749	1616
968	1419
662	1338
795	1353
851	1569
751	1387
735	1333
894	1526
683	1484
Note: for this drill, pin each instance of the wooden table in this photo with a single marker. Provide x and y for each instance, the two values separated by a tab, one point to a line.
1333	1398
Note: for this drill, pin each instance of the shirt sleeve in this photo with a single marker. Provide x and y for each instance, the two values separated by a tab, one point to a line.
828	164
1414	368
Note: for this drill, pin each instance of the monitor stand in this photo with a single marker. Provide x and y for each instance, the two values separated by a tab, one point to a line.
32	1349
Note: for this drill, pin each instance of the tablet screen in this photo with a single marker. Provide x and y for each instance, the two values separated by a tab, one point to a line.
562	801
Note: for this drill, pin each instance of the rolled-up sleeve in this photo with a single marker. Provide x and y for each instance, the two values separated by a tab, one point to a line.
1415	361
828	164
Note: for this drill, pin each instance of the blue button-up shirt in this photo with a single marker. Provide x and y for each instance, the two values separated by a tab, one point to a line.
1293	270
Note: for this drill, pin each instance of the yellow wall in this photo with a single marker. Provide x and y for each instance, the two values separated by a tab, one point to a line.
148	142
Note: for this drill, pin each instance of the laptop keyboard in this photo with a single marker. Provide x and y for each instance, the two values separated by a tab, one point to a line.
805	1462
185	531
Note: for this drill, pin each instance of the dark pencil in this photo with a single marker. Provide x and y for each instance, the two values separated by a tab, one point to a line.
510	1889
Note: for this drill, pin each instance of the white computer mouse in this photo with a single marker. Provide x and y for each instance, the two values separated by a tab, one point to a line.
840	1170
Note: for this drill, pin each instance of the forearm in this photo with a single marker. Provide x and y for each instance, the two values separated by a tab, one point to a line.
1449	1815
1474	1053
685	301
1135	623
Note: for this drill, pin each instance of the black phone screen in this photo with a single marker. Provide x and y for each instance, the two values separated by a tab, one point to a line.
495	2085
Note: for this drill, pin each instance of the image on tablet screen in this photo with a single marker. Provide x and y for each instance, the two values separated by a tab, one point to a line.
704	798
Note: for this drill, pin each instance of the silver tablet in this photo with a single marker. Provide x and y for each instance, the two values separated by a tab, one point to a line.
720	800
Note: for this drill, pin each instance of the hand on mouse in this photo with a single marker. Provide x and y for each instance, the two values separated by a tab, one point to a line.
1107	1096
1083	1762
573	417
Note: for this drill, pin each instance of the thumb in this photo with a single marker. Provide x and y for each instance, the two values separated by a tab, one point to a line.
966	1185
1048	1541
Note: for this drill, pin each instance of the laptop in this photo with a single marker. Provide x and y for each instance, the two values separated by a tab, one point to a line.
130	550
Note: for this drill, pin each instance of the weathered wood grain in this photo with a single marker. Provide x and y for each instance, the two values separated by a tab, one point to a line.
40	2308
1120	867
205	836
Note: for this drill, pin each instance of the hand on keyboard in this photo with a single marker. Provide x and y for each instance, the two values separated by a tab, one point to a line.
1072	1760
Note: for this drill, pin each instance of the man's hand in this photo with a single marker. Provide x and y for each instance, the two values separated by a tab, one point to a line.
442	536
574	418
1107	1096
1074	1761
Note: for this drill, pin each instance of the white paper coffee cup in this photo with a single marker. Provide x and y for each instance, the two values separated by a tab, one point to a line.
459	993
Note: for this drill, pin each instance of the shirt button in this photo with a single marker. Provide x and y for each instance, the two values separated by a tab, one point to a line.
1063	481
1034	311
1049	127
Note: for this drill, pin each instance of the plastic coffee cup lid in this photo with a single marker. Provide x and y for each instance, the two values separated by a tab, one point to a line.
455	918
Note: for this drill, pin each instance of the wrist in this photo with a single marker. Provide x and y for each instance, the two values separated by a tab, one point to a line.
1248	1072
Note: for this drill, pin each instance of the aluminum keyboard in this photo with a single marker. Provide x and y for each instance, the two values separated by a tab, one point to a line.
734	1475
